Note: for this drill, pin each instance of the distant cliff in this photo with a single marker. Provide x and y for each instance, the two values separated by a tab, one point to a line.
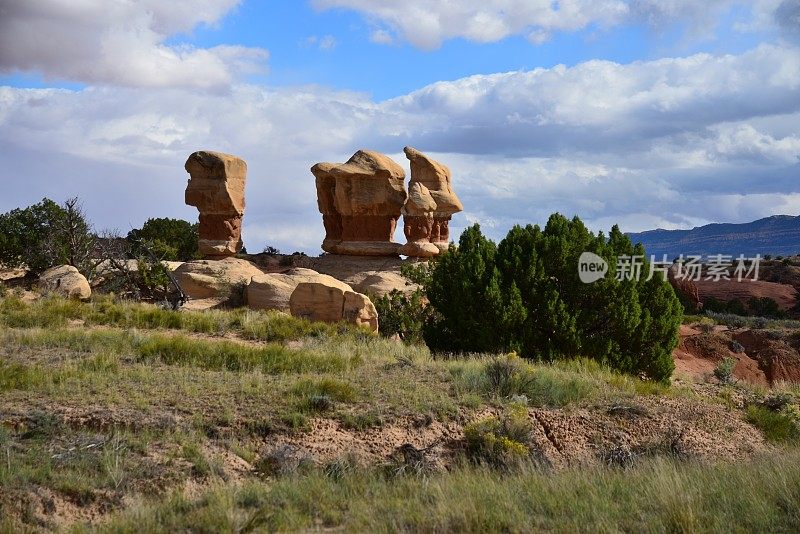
778	236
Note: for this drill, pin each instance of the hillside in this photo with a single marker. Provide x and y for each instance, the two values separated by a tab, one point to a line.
778	235
123	417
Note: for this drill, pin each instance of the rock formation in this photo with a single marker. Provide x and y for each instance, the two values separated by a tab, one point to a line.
418	221
205	279
273	291
66	281
436	179
685	288
216	188
331	303
360	202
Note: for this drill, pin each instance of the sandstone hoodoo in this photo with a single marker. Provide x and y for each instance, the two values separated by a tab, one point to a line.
216	188
360	202
437	179
418	223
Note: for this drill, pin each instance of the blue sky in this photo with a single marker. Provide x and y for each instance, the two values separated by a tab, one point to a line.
647	113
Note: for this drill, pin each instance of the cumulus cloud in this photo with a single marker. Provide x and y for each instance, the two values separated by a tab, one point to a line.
122	42
426	24
670	142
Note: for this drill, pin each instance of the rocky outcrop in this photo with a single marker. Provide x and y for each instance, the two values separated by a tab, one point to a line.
437	179
203	279
273	291
685	288
332	303
66	281
216	188
381	283
360	202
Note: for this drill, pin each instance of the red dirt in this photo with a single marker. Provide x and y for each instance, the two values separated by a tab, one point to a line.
779	360
727	290
698	353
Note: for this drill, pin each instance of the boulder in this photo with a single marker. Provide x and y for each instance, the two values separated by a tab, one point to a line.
329	303
66	281
216	187
273	291
202	279
360	202
360	311
380	283
437	179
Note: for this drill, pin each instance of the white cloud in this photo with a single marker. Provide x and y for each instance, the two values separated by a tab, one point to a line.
120	42
426	24
671	142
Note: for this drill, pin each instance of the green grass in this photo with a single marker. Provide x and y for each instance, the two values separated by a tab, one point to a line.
656	496
777	426
554	385
167	399
49	312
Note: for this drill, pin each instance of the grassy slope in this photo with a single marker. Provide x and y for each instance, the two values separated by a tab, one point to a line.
109	401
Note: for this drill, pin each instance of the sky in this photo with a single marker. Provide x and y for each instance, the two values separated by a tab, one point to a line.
643	113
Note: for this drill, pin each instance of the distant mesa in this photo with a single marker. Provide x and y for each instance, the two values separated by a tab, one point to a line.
778	235
216	189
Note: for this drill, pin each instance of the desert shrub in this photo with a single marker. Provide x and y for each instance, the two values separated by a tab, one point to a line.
766	307
724	370
169	239
45	235
403	315
500	441
525	295
507	375
736	347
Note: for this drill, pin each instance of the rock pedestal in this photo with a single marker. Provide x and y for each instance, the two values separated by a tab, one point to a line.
437	180
418	221
216	188
360	202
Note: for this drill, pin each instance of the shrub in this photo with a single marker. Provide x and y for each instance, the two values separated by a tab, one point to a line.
403	315
169	239
45	235
724	370
500	441
766	307
525	295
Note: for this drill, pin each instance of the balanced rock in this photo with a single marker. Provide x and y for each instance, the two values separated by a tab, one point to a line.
216	188
202	279
66	281
272	291
437	179
331	303
418	221
360	202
